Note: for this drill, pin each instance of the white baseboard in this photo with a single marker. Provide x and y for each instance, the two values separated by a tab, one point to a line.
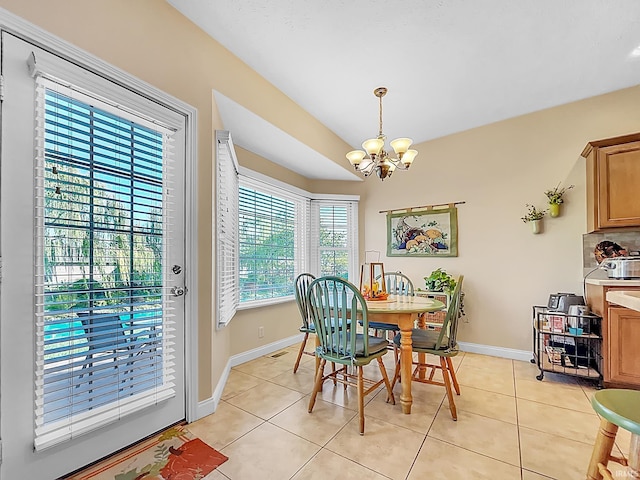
206	407
209	406
265	350
512	353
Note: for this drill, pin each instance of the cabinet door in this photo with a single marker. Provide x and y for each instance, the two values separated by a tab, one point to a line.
624	338
618	171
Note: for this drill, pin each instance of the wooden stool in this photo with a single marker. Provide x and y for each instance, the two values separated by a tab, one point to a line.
617	408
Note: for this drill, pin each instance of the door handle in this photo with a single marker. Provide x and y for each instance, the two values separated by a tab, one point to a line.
178	291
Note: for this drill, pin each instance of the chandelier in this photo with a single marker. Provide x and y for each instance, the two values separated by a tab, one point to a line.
375	157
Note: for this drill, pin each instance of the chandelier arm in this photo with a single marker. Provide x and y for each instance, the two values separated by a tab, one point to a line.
397	163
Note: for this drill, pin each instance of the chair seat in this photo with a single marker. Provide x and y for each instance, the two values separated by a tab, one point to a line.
620	407
384	326
376	345
424	339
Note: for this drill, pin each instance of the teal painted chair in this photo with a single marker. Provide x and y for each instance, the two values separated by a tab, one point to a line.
397	283
616	408
333	301
441	344
302	286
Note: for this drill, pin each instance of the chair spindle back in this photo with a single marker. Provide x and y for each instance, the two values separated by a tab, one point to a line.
302	287
335	304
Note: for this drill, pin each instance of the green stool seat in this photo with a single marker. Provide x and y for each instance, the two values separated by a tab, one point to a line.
620	407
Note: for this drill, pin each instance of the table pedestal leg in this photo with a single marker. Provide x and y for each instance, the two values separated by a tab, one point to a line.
422	357
406	359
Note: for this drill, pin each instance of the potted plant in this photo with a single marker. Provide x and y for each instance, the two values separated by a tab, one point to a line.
555	199
534	217
440	281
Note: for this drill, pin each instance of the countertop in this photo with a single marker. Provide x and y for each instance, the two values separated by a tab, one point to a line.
611	282
629	299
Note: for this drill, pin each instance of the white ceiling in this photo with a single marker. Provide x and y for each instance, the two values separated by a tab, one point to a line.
450	65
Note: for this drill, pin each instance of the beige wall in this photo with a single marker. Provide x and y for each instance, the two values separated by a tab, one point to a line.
151	40
496	169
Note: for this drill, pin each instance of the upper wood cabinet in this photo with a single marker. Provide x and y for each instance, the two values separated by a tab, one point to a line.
613	183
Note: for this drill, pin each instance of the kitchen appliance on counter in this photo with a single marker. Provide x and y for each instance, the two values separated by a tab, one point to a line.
560	302
622	268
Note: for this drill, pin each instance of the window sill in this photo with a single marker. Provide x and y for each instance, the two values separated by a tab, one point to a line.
265	303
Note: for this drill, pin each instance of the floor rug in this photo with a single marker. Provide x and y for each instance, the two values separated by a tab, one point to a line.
174	454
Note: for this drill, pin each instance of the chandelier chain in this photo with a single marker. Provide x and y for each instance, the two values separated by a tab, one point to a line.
380	132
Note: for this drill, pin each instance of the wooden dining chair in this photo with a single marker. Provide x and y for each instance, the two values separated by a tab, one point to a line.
441	344
333	301
302	285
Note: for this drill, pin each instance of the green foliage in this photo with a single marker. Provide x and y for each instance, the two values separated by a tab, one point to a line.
555	194
533	214
440	281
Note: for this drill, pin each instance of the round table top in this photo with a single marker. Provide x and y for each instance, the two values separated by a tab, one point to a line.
620	407
404	304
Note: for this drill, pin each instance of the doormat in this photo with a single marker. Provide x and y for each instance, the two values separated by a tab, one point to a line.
175	454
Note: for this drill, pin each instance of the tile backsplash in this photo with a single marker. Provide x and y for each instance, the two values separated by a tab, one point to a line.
628	240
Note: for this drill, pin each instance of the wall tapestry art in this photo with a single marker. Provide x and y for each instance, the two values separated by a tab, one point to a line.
424	233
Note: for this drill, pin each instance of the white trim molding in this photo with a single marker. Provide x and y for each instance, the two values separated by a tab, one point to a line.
512	353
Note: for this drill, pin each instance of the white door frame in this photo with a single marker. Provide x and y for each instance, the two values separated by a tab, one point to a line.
33	34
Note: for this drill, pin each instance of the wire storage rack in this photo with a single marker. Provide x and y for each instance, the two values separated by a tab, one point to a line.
567	344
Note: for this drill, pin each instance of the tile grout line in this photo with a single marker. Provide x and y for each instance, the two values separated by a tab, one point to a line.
515	398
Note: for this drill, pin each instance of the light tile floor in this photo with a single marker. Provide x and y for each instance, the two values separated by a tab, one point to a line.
510	426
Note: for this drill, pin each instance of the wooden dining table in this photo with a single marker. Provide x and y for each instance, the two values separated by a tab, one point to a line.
402	310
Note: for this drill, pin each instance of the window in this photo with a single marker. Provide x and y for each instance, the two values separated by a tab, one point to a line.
334	238
280	232
271	226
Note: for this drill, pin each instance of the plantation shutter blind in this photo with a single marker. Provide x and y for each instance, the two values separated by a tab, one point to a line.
104	328
334	247
226	228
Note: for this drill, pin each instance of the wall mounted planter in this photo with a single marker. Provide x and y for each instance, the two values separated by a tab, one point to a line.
536	226
554	209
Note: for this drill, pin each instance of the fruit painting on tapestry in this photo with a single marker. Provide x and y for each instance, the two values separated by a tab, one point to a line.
423	233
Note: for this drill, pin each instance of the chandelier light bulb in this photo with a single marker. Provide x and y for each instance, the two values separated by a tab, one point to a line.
401	145
355	157
408	157
373	146
392	168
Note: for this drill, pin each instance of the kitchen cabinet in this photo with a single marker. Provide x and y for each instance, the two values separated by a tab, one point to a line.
613	176
624	329
620	336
